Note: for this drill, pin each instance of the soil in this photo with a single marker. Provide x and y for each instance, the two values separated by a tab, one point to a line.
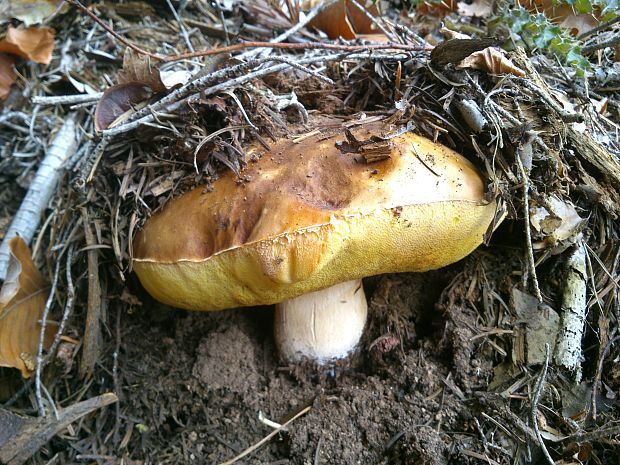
196	383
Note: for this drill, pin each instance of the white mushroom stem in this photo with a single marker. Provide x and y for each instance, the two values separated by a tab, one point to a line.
323	325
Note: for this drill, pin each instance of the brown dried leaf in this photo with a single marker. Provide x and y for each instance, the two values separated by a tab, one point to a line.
437	8
31	11
119	101
563	14
492	60
7	75
579	24
142	69
33	43
344	19
362	24
22	301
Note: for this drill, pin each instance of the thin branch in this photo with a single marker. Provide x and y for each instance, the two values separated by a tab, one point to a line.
528	233
285	35
299	46
615	40
39	368
251	449
42	187
599	28
596	385
534	410
118	37
66	99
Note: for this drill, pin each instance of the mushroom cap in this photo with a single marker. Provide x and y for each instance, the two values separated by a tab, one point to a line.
309	215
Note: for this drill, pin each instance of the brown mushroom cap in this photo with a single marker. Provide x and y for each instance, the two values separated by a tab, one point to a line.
311	216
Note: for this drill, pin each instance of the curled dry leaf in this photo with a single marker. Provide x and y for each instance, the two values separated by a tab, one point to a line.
22	301
492	60
561	224
142	69
7	75
30	11
118	101
344	19
33	43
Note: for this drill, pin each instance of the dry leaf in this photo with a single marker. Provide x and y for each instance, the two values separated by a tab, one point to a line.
118	101
562	224
437	8
30	11
563	15
142	69
344	19
492	60
478	8
22	301
579	24
7	75
33	43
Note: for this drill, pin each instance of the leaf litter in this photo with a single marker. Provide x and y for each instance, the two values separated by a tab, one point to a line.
454	363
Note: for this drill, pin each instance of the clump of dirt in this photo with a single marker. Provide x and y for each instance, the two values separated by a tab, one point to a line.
222	357
203	378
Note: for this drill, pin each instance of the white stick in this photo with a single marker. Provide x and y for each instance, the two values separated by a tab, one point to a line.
27	218
568	347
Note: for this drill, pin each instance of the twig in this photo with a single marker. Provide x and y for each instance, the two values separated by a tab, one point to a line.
68	307
564	115
21	442
220	13
66	99
534	410
573	313
39	367
366	13
528	233
285	35
592	436
599	370
115	380
42	187
317	452
181	26
251	449
309	71
92	329
299	46
241	109
599	28
615	40
111	31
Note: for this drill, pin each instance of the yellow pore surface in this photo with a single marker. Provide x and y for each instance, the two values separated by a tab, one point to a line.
311	215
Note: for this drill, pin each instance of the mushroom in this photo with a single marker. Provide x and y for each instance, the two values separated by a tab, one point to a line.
305	223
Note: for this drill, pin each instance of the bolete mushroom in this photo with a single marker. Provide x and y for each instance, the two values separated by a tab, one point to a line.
307	217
